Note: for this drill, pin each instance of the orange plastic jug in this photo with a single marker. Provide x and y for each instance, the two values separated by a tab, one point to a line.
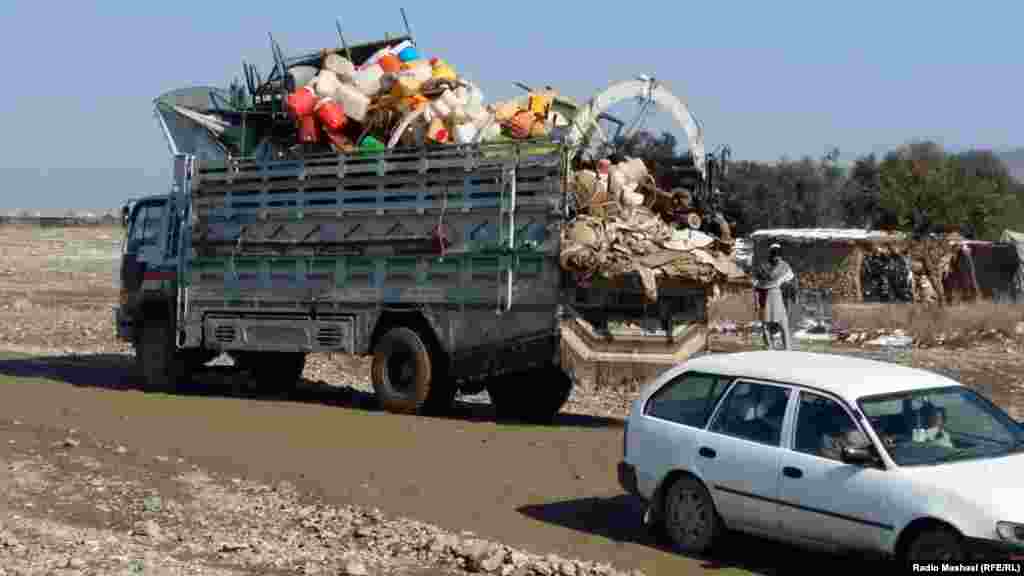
437	132
301	102
390	63
330	114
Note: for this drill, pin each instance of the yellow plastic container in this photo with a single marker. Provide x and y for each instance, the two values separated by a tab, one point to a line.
540	103
442	71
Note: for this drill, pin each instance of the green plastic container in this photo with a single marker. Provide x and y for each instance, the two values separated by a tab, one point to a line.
370	145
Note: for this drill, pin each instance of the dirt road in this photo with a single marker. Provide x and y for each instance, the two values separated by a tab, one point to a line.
544	489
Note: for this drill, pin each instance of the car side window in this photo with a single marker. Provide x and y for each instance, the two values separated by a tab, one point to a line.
687	399
754	412
823	427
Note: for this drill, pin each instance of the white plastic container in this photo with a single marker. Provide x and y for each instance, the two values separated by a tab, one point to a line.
440	109
302	76
369	80
419	69
355	103
326	84
340	66
465	133
490	133
450	99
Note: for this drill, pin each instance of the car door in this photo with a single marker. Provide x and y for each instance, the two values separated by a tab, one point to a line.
664	437
739	454
822	499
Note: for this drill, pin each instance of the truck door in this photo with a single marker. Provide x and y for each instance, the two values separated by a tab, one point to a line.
143	242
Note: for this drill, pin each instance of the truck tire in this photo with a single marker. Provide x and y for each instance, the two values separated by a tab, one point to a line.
535	396
276	371
403	372
162	366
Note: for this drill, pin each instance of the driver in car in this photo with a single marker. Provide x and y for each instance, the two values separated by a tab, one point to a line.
936	434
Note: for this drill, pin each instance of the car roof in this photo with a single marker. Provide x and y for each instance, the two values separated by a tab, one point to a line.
846	376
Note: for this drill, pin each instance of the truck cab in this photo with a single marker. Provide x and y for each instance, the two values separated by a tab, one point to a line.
144	259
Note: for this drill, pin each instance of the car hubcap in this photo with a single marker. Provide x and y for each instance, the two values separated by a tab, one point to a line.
689	516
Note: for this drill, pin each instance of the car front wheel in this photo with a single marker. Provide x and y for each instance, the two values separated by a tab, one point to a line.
935	546
689	518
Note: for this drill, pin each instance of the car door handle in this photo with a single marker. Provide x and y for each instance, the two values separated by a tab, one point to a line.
791	472
707	452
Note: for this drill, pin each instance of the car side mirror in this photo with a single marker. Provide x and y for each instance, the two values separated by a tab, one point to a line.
860	456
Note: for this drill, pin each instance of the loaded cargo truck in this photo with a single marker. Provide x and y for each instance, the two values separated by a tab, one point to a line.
441	263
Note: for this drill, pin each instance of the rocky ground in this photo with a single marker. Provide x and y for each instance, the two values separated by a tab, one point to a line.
73	505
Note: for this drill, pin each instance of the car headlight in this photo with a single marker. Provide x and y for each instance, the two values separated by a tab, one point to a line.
1010	531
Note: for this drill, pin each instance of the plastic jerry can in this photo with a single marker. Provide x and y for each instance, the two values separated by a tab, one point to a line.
301	102
406	85
339	65
451	99
327	84
437	132
408	54
330	114
440	109
418	69
465	133
390	63
442	71
369	79
309	130
353	102
370	145
540	103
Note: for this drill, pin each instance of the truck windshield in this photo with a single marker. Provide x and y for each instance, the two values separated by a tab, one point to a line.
928	427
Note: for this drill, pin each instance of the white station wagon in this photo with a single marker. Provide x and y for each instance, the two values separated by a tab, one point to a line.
826	451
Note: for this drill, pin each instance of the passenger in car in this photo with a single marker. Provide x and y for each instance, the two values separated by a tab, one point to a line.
848	435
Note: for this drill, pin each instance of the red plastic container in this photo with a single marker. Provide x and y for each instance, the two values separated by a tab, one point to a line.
331	114
301	102
309	130
390	63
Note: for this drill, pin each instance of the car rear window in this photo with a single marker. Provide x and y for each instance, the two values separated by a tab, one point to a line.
687	399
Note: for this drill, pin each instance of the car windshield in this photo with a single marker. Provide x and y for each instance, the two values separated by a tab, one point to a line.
928	427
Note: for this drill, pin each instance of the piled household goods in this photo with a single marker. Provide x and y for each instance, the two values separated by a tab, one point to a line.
617	232
399	98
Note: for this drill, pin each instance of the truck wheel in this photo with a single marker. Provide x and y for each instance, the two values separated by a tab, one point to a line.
535	396
277	371
162	366
402	371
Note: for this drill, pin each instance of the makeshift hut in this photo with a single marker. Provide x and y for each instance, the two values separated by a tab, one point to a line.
828	258
864	265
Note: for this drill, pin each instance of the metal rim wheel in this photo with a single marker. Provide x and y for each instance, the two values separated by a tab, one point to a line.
690	520
935	545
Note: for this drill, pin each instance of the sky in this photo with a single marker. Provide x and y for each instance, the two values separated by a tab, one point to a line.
770	79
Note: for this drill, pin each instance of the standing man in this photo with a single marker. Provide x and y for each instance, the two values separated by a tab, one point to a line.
768	287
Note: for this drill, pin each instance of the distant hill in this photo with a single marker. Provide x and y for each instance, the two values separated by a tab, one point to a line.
1014	160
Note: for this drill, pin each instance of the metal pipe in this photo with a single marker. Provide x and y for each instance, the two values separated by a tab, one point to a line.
408	29
167	132
511	239
344	45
